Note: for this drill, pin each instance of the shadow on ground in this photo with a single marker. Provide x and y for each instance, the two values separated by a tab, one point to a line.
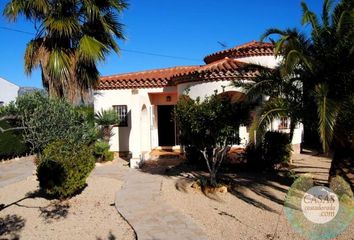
250	186
11	226
109	237
54	211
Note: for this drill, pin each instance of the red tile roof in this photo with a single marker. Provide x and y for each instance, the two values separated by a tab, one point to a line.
220	66
250	49
224	69
145	79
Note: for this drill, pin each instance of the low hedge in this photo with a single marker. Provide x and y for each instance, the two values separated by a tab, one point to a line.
64	167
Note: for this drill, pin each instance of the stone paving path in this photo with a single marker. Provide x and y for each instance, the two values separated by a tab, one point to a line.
140	204
16	170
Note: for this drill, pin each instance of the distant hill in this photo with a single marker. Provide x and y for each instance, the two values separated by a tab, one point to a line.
24	90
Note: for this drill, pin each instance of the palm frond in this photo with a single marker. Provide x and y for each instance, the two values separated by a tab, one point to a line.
91	50
62	26
13	9
34	53
272	31
112	25
272	109
345	22
91	10
326	9
58	65
309	17
327	111
106	117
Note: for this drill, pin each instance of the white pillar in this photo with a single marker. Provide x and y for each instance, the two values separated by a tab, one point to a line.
135	161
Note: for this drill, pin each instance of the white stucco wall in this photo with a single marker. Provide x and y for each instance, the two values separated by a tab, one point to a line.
265	61
8	91
140	112
204	89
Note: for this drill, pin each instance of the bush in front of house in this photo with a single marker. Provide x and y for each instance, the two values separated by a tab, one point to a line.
254	156
64	167
101	152
276	148
193	155
209	127
46	120
55	119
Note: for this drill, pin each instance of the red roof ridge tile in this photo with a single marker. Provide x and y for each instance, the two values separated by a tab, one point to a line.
244	50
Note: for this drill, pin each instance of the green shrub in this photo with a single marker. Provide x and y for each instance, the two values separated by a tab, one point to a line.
276	148
193	155
63	168
101	152
11	142
254	156
47	120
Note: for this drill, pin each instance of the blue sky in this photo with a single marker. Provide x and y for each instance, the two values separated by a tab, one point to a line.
183	28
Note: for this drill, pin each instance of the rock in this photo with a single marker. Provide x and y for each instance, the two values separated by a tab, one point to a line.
223	189
195	185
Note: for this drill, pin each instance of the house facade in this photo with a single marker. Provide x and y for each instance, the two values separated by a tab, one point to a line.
145	100
9	91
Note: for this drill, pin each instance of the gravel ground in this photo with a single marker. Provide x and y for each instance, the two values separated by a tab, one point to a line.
89	215
252	210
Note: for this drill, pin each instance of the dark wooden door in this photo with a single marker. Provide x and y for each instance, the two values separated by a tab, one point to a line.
166	125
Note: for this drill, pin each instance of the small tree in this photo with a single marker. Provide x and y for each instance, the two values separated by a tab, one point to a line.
210	127
106	119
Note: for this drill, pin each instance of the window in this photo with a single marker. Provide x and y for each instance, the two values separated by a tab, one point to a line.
122	115
284	123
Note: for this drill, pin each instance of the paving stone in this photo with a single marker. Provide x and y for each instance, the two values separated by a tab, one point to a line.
140	203
16	170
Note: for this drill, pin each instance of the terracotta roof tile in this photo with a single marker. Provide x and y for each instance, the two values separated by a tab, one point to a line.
224	69
220	66
145	79
250	49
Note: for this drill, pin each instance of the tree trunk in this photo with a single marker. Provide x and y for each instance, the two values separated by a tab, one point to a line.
70	89
106	132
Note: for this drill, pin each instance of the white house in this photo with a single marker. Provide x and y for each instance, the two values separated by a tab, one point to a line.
145	100
8	91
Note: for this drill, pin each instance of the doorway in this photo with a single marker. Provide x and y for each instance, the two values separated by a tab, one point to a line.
166	125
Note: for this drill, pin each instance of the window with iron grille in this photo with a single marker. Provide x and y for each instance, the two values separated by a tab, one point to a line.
122	115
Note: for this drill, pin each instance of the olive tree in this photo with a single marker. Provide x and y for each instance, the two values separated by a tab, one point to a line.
210	126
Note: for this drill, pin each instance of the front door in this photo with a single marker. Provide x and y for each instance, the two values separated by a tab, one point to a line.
166	125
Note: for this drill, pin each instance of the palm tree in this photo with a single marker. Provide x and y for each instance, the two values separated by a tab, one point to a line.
324	62
72	37
285	99
106	119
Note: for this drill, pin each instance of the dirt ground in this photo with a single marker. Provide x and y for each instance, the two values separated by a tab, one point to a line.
253	207
89	215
